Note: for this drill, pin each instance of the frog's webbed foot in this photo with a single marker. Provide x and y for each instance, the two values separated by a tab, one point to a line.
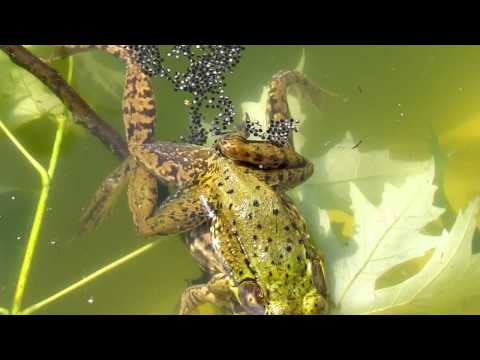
106	196
180	213
217	292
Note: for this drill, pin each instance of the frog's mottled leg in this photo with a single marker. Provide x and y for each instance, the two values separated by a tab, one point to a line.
217	292
262	154
106	196
180	213
172	163
283	179
142	196
277	105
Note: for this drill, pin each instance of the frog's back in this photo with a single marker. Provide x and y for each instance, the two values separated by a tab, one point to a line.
269	235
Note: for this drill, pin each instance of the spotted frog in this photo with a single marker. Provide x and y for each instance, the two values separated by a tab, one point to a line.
231	204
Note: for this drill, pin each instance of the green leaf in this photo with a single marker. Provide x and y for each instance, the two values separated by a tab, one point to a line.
24	98
448	279
369	171
390	235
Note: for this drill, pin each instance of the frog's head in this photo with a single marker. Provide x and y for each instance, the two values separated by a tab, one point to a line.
310	299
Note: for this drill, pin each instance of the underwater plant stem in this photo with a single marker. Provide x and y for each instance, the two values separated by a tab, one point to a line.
88	279
45	176
40	169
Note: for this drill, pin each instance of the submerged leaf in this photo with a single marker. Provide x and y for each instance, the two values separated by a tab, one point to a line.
369	171
24	98
447	280
390	235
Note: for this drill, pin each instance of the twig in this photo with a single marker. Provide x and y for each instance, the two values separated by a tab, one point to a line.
82	112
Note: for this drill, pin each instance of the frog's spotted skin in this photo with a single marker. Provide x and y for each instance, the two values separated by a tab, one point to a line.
257	249
261	154
261	240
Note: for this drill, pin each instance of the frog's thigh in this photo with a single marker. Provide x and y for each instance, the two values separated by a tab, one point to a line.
264	154
172	164
178	214
217	292
284	179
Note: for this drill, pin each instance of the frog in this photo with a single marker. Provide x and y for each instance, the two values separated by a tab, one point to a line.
231	203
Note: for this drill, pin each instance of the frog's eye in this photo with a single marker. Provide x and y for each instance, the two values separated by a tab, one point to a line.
319	278
251	298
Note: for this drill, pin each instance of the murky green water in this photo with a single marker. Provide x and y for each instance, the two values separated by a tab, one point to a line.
398	98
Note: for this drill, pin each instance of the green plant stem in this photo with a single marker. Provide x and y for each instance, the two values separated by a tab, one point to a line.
40	169
45	176
89	278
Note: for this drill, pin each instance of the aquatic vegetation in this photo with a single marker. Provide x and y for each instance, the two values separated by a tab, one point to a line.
390	235
45	175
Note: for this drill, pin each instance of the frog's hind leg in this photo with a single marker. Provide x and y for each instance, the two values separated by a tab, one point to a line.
175	164
217	292
284	179
277	105
263	155
106	196
280	167
180	213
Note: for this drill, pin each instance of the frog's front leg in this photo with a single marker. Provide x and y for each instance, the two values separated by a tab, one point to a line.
217	292
180	213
